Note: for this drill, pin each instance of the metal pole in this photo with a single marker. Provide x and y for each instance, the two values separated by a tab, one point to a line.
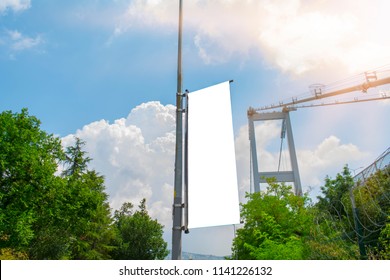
178	183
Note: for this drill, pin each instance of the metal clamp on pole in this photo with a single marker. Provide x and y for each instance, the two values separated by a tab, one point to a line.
179	107
181	94
177	228
178	205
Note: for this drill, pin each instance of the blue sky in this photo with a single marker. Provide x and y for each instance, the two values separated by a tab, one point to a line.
106	71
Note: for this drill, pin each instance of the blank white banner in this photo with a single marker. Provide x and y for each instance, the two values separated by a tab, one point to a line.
212	176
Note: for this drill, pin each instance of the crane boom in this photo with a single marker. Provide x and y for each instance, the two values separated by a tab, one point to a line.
355	100
361	87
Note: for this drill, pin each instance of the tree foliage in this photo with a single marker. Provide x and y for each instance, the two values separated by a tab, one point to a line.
44	215
139	236
276	224
372	199
28	161
358	212
334	192
89	210
349	221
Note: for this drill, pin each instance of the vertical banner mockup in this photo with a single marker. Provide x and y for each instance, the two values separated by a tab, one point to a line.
212	176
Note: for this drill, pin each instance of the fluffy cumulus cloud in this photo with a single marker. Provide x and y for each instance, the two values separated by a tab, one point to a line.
136	156
330	155
14	5
296	36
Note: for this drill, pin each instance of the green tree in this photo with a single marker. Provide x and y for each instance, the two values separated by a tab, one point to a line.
43	215
384	243
139	237
28	162
335	194
364	222
51	231
89	220
76	159
276	225
328	239
372	198
335	232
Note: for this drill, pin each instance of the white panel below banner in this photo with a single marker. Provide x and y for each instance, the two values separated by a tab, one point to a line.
212	176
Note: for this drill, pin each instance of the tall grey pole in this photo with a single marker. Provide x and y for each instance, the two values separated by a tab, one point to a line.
178	184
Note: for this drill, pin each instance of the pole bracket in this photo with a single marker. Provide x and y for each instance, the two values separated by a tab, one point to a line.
182	94
179	205
177	228
182	228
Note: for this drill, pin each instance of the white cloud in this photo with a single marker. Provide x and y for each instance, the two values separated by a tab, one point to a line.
14	5
20	42
15	41
328	158
160	119
312	36
295	36
136	156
